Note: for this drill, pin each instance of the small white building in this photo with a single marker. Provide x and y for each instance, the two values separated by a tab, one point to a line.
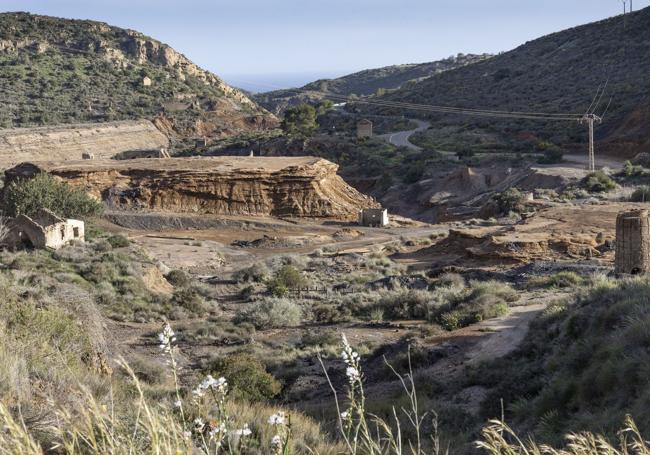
44	230
146	81
373	217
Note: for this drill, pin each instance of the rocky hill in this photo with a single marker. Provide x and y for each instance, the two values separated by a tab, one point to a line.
68	71
558	73
285	187
365	82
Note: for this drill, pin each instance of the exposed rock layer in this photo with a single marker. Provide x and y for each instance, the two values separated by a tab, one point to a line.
69	142
291	187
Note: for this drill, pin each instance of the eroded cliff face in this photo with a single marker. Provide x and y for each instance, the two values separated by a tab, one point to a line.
70	142
238	186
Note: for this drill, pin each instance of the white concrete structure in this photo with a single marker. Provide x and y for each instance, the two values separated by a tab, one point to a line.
373	217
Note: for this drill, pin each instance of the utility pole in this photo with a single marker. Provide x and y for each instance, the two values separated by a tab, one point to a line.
590	119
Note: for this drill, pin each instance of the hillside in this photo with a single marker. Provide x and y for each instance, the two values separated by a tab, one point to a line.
558	73
364	83
70	71
582	366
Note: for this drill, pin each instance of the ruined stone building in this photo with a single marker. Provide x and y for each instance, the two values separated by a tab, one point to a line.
44	230
633	242
373	217
364	128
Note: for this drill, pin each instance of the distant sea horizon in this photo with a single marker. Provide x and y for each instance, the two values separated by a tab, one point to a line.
257	83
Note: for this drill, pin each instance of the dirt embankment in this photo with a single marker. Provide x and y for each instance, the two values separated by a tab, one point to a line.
69	142
561	233
259	186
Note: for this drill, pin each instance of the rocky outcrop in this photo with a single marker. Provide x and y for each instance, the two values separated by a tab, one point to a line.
105	73
239	186
69	142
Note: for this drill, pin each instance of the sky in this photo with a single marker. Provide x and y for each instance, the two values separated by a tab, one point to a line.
262	45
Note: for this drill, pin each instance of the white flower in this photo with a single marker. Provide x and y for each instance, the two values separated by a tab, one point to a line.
277	418
276	441
352	374
199	425
219	385
345	415
243	431
198	392
166	337
178	404
219	430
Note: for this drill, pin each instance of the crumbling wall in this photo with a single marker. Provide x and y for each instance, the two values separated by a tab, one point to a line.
633	242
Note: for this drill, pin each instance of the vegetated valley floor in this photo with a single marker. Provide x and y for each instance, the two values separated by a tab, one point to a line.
344	261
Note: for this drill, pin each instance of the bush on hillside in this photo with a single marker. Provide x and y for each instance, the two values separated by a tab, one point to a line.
247	377
482	300
284	279
118	241
28	196
300	120
598	182
256	273
631	170
271	312
583	364
178	278
511	200
641	194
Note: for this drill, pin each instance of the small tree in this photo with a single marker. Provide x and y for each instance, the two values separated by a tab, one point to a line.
641	194
511	200
28	196
300	120
286	278
598	182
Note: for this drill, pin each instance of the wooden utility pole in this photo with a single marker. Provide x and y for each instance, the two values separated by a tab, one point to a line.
590	119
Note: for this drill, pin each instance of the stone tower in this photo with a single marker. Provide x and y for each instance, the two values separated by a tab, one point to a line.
633	242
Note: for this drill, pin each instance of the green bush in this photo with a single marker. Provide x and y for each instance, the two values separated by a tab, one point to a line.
631	170
178	278
511	200
564	279
641	194
271	312
28	196
190	299
256	273
247	377
481	300
118	241
598	182
300	120
286	278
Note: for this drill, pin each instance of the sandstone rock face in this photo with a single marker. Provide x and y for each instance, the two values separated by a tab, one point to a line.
69	142
239	186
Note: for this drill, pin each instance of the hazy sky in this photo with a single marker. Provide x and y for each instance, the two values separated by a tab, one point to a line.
283	41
